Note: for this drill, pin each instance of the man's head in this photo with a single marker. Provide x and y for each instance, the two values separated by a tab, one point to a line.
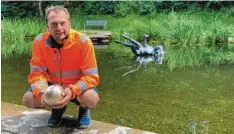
58	22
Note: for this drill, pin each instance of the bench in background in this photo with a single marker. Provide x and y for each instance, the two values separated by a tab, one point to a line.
95	24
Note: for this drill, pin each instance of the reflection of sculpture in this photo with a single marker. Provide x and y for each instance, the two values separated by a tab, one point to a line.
144	53
143	60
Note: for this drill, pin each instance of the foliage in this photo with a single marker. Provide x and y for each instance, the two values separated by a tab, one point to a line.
125	8
136	7
19	9
100	7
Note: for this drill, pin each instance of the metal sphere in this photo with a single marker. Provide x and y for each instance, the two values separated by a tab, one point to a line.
53	94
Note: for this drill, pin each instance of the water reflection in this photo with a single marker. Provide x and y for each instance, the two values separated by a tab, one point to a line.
143	60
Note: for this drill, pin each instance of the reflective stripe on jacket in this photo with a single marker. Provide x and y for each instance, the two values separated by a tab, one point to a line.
74	63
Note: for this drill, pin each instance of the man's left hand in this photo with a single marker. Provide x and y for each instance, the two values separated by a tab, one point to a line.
66	98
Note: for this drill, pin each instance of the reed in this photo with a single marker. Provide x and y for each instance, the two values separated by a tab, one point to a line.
190	38
17	36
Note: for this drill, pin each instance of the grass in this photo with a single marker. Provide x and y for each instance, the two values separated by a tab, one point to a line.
17	35
193	33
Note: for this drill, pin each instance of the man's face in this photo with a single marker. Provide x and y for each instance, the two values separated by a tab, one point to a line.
58	25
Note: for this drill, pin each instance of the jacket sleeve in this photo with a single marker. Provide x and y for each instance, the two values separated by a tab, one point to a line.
38	76
90	77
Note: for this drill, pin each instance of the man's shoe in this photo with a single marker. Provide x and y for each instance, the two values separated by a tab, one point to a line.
84	118
56	117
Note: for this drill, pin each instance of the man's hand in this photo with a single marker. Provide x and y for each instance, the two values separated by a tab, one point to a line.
66	98
43	102
41	90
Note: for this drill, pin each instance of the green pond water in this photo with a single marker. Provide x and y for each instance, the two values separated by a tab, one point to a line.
182	101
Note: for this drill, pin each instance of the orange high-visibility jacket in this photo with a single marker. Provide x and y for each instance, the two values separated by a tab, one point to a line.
74	63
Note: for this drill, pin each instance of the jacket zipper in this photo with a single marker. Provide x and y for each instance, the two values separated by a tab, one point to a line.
54	57
60	67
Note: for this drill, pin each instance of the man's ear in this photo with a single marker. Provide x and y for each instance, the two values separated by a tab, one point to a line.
69	23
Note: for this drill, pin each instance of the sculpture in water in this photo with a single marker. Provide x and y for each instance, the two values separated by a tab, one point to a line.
144	53
142	49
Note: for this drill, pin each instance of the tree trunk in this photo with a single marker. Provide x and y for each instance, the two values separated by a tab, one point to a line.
40	9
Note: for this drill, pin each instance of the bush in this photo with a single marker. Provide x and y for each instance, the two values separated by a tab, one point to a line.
100	7
16	9
19	9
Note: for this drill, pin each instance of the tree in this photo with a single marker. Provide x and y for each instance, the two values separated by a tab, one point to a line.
40	9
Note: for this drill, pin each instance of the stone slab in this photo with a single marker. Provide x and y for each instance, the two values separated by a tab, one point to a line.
17	119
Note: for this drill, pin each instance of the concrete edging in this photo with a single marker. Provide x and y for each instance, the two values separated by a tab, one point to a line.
19	119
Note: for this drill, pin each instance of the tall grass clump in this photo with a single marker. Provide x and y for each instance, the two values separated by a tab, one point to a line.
183	31
188	36
183	57
17	36
77	19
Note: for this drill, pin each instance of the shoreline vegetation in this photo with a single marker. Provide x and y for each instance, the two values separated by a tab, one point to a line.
190	38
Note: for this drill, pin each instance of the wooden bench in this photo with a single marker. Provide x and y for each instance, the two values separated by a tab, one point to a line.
95	24
99	38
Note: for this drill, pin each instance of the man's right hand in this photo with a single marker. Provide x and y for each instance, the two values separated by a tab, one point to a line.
41	91
43	103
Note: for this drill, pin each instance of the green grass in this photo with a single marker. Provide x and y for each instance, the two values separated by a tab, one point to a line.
200	35
17	35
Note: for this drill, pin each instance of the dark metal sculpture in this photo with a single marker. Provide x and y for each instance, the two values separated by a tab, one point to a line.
141	49
144	53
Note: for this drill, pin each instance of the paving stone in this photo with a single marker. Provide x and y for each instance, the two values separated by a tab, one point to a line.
16	119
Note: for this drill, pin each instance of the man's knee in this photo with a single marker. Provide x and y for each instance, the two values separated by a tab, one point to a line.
90	98
30	101
93	100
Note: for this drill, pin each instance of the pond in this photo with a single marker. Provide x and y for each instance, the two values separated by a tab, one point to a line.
153	98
